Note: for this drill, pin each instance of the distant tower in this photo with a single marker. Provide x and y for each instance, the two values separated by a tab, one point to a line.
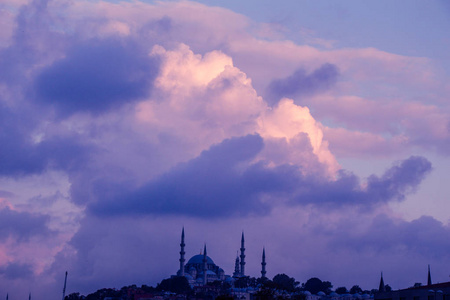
182	260
242	256
429	276
205	266
64	289
7	296
263	264
381	288
29	296
236	273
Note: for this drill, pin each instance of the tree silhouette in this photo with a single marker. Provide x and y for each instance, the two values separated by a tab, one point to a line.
356	290
176	284
315	285
284	282
341	290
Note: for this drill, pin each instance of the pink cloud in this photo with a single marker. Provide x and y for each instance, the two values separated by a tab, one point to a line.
399	122
347	143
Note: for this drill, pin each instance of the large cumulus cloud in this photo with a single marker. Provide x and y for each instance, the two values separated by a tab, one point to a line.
144	116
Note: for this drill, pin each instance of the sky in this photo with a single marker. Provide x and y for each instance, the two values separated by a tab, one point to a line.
320	129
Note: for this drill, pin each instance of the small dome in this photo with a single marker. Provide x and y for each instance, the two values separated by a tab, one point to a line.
306	293
321	293
334	294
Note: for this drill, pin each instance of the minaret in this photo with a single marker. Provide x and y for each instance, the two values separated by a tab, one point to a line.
236	267
429	276
242	256
64	289
381	288
205	266
7	296
29	296
263	264
182	260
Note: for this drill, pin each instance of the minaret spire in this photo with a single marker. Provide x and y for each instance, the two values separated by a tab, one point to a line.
263	264
242	256
429	276
182	253
205	266
381	288
236	266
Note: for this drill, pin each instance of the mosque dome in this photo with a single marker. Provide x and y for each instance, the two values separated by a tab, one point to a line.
198	259
195	268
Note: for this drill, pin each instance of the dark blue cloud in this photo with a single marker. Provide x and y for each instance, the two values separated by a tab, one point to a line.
16	271
399	179
34	28
210	185
19	155
223	182
425	236
22	225
393	185
300	83
97	75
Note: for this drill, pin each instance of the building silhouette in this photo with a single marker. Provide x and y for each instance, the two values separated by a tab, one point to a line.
200	269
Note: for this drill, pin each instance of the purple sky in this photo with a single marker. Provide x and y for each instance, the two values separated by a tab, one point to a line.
320	130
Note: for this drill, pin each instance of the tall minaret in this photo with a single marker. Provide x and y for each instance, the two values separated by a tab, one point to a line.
429	276
182	260
205	266
236	267
263	265
381	288
242	256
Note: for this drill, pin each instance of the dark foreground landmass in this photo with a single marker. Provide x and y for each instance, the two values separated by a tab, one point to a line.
280	287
